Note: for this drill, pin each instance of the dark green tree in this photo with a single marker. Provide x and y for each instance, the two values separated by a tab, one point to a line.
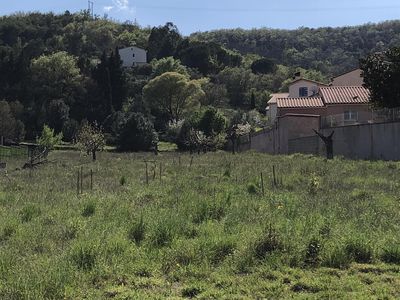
381	72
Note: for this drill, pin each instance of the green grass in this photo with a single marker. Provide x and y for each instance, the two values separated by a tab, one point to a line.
329	229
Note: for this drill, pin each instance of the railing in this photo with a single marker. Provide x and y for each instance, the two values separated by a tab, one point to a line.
362	117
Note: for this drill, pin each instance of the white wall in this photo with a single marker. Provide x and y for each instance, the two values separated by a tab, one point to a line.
133	56
294	88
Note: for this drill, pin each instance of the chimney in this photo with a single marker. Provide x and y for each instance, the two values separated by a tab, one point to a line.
296	75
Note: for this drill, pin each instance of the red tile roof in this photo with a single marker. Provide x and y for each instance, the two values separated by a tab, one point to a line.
344	94
300	102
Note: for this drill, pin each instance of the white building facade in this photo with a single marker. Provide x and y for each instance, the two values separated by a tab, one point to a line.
133	56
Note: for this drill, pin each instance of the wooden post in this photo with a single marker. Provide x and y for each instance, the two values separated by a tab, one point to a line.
91	179
160	172
191	162
262	184
81	180
179	158
147	174
77	183
274	175
154	170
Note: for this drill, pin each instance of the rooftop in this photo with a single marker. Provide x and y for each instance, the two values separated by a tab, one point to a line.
276	96
345	94
300	102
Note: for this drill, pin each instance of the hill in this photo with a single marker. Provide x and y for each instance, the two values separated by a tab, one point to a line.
329	50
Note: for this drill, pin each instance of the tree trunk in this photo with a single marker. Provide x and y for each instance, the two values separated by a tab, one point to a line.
328	141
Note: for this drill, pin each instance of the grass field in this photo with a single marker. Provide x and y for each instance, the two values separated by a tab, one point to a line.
205	229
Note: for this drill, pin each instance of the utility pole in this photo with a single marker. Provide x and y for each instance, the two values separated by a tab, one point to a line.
90	8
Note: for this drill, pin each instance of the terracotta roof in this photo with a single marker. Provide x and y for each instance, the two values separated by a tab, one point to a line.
300	102
276	96
347	72
344	94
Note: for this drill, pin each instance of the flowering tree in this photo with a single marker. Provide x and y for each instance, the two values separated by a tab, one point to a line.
90	139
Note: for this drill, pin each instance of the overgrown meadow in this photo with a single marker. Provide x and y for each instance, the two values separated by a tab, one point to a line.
204	226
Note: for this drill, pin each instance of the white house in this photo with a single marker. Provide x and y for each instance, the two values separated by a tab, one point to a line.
133	56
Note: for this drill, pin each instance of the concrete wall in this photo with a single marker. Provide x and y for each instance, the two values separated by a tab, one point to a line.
352	78
368	141
133	56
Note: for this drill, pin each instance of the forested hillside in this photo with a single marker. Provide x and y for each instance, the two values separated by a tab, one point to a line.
65	70
329	50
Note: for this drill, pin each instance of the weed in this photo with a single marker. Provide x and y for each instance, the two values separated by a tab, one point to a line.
191	292
137	231
267	243
312	257
89	209
29	212
391	254
338	258
162	235
359	251
84	256
122	181
252	189
8	231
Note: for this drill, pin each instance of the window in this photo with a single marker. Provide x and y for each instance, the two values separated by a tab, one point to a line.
303	92
350	115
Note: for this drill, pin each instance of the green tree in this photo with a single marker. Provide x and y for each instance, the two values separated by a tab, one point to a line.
10	127
168	64
163	41
49	138
172	94
381	73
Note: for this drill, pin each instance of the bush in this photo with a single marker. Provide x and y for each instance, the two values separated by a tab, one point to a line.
84	256
48	138
391	254
267	243
312	257
29	212
162	234
359	251
212	122
89	209
137	134
338	258
137	231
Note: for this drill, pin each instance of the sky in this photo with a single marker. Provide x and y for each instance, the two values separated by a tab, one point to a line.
191	16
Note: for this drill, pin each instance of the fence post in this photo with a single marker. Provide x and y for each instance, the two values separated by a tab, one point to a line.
91	179
274	175
77	183
262	184
160	172
81	179
147	174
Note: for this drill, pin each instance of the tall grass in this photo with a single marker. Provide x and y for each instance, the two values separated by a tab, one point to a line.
202	231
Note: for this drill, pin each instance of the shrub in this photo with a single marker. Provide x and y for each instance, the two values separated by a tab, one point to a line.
338	258
122	180
312	257
219	250
48	138
359	251
70	130
267	243
84	256
29	212
137	231
162	234
252	188
391	254
191	292
212	122
89	209
137	134
7	232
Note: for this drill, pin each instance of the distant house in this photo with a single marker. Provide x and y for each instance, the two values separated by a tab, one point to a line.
338	105
352	78
133	56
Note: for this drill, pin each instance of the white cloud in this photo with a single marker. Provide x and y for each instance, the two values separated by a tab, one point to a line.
108	8
122	4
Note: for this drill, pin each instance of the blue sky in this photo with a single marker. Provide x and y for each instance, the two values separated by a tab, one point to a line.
191	16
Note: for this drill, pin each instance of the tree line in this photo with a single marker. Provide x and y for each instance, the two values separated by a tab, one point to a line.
65	71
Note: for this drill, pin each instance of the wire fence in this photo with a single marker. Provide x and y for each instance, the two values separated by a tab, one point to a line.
361	117
7	152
